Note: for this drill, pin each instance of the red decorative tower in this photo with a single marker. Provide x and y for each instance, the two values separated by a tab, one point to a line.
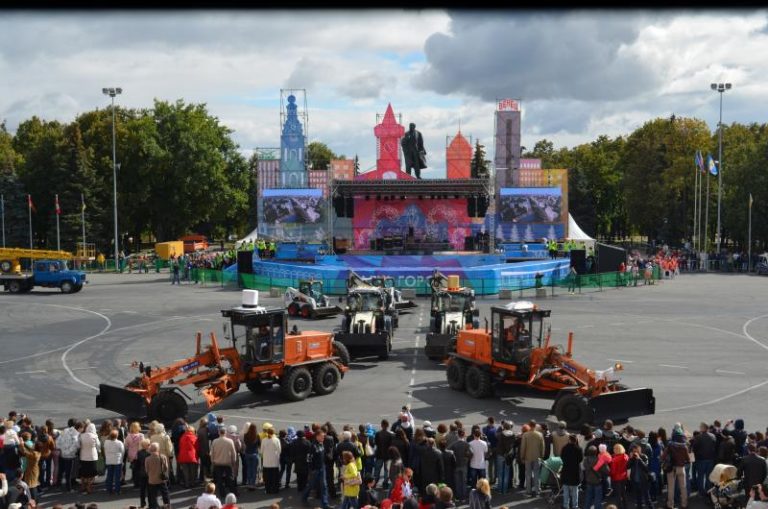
458	158
388	134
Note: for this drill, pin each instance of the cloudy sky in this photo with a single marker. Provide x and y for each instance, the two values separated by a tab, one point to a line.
578	74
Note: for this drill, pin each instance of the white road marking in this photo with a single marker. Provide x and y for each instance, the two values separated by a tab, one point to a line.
82	341
744	330
621	360
717	400
587	326
616	323
86	367
727	372
673	366
31	372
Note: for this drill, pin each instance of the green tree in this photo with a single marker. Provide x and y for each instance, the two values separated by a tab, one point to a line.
319	155
479	166
14	195
357	165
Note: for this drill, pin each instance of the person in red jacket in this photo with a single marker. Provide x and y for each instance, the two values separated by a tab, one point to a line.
619	463
402	488
187	456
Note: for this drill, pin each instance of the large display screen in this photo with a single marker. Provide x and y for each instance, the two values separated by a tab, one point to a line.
293	206
531	205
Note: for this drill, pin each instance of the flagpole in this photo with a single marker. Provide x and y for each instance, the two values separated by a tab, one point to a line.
82	218
58	236
695	203
749	236
29	208
706	219
701	190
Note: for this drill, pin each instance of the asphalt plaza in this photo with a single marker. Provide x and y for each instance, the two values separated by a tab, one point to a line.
700	341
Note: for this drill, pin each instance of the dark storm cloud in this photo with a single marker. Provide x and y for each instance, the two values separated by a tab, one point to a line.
538	56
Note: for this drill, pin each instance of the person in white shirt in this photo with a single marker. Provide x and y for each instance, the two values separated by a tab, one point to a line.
479	448
114	450
208	499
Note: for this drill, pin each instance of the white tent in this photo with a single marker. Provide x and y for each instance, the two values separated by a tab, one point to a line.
251	236
576	233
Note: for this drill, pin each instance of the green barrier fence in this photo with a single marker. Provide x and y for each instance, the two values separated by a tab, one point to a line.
523	285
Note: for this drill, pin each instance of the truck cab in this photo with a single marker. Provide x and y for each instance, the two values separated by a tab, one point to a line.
56	274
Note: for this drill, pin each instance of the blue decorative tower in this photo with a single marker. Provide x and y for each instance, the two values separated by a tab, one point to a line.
293	171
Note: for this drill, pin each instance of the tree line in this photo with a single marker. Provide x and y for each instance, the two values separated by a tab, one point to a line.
643	183
181	172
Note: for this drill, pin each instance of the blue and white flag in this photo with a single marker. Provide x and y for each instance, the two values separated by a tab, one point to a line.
711	164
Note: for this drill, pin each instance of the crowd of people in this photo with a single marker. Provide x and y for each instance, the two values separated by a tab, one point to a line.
398	465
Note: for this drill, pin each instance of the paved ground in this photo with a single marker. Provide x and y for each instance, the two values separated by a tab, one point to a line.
700	341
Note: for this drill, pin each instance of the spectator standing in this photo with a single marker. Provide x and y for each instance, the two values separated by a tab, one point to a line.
223	460
638	465
69	445
480	451
299	450
593	479
382	440
114	450
619	463
570	475
132	446
753	468
676	456
480	497
559	438
490	432
204	450
270	457
350	481
157	468
704	448
286	463
531	451
31	474
432	468
89	455
504	456
462	453
208	499
317	476
187	457
449	464
252	444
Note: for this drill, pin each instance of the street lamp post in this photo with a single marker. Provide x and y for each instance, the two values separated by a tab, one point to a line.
720	88
112	92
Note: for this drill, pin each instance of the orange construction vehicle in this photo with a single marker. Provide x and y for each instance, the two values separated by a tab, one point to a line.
517	352
263	353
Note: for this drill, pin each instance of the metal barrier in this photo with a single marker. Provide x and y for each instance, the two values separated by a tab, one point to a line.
519	287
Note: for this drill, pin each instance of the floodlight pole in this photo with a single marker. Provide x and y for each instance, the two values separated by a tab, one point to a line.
112	92
720	88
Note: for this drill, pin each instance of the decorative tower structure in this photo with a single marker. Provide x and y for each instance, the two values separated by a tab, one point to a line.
388	134
293	143
458	157
506	158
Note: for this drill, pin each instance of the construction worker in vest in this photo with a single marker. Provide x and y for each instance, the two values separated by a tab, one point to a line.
272	249
553	249
567	248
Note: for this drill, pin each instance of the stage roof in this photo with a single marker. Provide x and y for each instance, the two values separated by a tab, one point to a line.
425	187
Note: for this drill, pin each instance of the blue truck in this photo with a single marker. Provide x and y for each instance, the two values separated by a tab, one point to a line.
45	273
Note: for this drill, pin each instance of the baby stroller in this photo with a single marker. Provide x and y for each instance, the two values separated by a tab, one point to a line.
549	479
726	492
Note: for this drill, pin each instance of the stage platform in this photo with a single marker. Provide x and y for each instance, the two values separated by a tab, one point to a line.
486	274
424	187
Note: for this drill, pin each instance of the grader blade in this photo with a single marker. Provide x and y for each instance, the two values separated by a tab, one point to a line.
121	401
621	405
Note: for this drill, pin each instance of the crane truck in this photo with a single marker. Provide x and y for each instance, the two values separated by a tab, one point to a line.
47	268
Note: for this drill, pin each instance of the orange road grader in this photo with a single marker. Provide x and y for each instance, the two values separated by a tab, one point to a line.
516	351
263	353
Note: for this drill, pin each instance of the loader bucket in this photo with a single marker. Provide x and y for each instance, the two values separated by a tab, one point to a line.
121	401
328	311
621	405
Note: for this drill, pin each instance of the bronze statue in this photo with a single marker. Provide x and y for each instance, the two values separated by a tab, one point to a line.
413	151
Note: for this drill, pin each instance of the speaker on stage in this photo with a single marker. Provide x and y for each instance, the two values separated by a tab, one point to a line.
245	262
482	206
579	259
338	206
349	206
472	206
